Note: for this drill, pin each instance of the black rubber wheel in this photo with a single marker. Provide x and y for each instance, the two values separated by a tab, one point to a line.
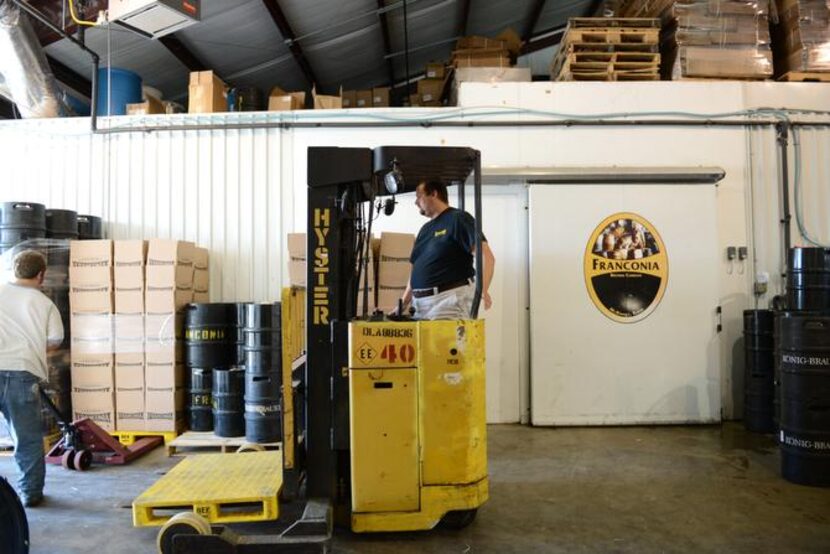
82	460
458	519
14	527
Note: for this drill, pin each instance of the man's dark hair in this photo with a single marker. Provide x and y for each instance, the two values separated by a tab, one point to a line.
28	264
437	187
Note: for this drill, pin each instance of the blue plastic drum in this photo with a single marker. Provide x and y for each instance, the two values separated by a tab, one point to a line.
125	89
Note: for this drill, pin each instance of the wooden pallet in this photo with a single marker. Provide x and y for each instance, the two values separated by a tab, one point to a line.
191	442
609	76
612	35
623	22
579	47
610	66
805	77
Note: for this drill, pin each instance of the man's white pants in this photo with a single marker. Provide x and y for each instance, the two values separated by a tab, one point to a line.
451	304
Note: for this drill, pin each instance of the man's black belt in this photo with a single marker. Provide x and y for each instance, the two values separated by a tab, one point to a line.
423	293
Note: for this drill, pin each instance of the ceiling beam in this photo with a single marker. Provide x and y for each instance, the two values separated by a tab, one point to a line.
547	38
70	78
535	12
288	35
182	53
387	44
464	18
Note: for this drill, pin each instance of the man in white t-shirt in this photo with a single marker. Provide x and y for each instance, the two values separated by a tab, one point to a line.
30	324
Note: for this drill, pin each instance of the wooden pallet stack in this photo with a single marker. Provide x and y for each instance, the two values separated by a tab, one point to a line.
608	49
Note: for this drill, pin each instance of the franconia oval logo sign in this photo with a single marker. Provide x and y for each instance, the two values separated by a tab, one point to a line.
626	267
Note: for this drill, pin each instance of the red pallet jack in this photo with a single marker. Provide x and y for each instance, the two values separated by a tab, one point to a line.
83	442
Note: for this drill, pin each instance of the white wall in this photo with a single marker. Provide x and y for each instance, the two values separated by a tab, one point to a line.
239	191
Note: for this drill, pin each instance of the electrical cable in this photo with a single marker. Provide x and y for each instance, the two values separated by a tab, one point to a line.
75	17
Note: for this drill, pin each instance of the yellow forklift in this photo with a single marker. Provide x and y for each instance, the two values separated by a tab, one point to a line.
388	431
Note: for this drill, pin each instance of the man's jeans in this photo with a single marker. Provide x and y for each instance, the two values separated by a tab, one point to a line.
20	404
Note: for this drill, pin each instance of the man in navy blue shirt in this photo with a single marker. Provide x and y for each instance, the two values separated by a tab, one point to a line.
442	282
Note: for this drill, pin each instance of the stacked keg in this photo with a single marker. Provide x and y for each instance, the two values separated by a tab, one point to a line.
61	227
263	372
759	375
21	221
804	365
215	382
90	227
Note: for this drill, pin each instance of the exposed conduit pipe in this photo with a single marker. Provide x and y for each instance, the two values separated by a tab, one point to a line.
45	20
23	64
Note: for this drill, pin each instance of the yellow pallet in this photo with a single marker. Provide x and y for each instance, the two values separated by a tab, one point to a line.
223	488
129	437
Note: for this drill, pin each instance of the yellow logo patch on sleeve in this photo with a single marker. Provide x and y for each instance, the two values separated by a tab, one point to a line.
440	233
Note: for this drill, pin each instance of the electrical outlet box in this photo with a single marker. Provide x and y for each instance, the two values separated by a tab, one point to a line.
155	17
743	252
731	252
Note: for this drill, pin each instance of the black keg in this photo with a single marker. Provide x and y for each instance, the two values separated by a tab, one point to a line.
90	227
240	334
21	221
14	527
249	99
210	335
228	403
805	398
61	224
263	338
759	371
808	279
262	407
776	370
199	402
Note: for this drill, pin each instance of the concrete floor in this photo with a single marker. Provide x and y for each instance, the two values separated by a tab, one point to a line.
635	489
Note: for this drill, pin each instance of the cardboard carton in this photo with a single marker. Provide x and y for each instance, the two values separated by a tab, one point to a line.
323	102
297	259
201	257
90	253
380	97
89	299
129	333
129	410
151	106
92	372
96	404
435	71
396	247
164	410
129	257
280	100
206	93
129	372
349	98
169	262
162	300
201	297
363	99
431	90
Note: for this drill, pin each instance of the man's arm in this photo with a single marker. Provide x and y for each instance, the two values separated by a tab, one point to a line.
406	298
54	331
489	265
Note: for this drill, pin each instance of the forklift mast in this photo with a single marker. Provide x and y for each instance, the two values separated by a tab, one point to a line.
343	186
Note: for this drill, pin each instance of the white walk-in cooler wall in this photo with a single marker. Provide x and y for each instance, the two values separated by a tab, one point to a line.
238	191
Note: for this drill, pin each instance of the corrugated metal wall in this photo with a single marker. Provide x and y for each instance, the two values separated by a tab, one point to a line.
220	189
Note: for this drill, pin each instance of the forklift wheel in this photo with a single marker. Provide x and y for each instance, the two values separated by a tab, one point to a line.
82	460
68	459
458	519
184	523
251	447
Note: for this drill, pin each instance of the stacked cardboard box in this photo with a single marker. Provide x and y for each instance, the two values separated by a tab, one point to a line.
91	307
206	93
327	102
802	36
280	100
393	268
368	284
431	87
201	275
377	97
169	288
128	277
474	51
720	39
296	259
